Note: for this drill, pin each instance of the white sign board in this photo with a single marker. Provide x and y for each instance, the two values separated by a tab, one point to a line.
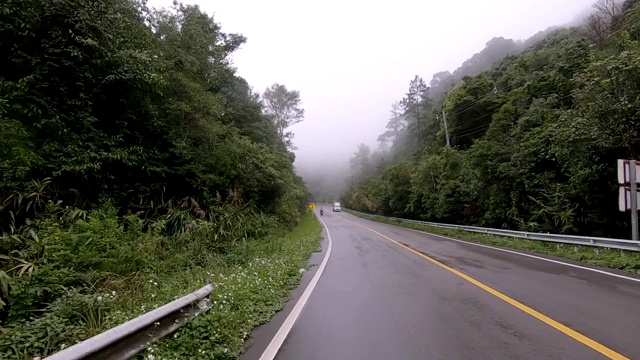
623	172
624	199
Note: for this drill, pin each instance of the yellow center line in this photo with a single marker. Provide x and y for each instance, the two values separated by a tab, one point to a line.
536	314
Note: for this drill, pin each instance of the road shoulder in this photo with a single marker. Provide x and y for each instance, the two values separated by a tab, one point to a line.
262	335
617	262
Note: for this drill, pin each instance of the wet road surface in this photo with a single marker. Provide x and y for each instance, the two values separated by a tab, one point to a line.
376	299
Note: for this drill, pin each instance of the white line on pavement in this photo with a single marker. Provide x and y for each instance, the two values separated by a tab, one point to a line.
515	252
277	341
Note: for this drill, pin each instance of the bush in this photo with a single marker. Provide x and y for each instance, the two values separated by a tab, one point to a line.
64	275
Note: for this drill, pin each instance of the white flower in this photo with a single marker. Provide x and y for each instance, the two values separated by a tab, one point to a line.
150	357
153	296
99	298
113	293
302	270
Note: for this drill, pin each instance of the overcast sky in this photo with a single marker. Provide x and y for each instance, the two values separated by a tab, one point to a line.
350	59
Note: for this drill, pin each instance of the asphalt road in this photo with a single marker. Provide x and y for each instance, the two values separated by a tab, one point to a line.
394	293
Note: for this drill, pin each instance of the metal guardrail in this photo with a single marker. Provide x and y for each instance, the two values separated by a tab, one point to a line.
620	244
126	340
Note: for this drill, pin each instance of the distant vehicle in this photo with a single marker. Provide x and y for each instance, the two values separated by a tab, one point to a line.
336	207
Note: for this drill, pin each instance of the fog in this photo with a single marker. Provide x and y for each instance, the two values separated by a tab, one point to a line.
351	60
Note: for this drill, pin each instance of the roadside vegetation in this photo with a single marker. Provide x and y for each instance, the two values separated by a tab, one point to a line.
252	283
135	165
137	271
534	129
628	261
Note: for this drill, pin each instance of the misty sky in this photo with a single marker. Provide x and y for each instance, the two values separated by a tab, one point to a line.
351	59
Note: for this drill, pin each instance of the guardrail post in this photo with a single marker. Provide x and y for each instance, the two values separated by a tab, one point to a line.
633	198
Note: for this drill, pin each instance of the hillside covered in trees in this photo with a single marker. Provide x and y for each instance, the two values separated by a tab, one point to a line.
527	139
129	150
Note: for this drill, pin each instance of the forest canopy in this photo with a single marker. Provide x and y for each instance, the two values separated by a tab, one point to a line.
523	135
112	101
130	151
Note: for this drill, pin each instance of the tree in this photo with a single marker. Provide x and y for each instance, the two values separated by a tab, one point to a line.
135	106
121	126
536	134
495	50
414	102
440	83
283	107
361	161
395	126
601	22
469	108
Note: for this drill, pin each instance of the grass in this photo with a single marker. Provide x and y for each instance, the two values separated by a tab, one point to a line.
246	294
627	261
98	274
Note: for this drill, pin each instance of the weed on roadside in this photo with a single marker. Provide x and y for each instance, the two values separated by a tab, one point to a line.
103	271
245	296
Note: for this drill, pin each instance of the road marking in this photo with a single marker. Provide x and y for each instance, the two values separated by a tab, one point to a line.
511	252
536	314
277	341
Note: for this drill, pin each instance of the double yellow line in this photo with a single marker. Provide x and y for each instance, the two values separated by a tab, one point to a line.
536	314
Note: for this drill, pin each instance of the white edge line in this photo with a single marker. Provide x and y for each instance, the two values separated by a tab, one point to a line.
277	341
514	252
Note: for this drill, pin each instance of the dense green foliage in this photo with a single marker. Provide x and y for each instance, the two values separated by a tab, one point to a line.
248	293
533	139
101	273
129	148
105	105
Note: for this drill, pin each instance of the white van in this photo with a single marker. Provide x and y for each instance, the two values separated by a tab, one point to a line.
336	207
